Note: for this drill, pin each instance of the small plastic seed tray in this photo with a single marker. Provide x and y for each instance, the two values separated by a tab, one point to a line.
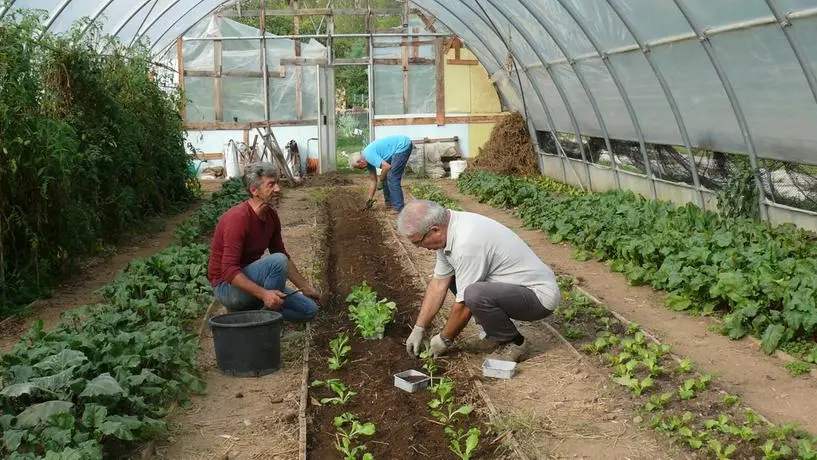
411	380
498	369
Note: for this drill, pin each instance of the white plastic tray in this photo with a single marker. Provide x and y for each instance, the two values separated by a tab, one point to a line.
403	384
498	369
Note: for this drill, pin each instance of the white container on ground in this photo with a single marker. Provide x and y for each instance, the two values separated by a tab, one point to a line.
401	380
457	167
498	369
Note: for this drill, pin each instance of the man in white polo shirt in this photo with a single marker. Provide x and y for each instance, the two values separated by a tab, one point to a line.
494	275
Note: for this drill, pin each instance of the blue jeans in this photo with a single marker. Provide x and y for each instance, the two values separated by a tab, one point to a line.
392	189
270	273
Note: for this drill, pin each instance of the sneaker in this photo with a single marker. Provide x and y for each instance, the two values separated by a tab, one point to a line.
510	351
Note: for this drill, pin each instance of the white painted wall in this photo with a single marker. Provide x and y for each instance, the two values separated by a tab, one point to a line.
216	141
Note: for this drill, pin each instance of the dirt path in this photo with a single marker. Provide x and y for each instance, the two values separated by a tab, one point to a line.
558	406
760	379
78	289
253	418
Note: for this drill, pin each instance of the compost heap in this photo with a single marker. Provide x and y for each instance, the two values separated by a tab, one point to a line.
508	149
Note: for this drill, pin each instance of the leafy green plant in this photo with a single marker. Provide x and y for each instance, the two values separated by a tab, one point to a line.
797	368
344	394
707	263
772	451
731	400
443	406
340	348
685	366
349	430
657	402
463	451
638	386
370	315
721	452
434	193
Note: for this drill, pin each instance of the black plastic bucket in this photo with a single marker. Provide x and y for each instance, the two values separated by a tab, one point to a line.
247	343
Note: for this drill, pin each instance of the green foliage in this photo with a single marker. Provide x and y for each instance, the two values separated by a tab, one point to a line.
340	348
763	278
90	144
344	394
797	368
107	373
740	197
349	430
369	314
204	220
434	193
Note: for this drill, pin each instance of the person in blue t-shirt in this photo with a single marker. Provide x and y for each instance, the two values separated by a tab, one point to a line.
390	154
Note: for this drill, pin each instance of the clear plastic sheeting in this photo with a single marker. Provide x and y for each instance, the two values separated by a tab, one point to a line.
740	74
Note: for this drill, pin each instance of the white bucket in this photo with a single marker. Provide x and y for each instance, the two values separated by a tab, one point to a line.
457	167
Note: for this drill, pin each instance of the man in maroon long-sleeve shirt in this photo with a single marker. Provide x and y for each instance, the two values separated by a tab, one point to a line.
243	280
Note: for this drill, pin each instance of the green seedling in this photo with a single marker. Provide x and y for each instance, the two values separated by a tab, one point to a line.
723	425
697	441
687	390
637	386
797	368
568	313
573	333
607	322
345	437
731	400
443	406
344	394
429	364
652	365
602	343
685	366
772	452
752	419
340	350
721	452
805	450
455	441
627	368
657	402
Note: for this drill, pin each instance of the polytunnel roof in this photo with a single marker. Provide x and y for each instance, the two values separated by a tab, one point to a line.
731	75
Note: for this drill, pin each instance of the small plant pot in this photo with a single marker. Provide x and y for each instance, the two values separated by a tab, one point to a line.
498	369
411	380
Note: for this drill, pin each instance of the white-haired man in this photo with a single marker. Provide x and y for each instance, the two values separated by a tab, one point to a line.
390	154
494	275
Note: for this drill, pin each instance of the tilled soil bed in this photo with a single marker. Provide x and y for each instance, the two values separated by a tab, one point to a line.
362	250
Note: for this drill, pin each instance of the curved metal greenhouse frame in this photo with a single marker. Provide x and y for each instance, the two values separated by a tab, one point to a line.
732	76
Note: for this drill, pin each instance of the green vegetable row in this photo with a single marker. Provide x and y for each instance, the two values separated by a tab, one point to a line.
90	144
763	279
105	376
434	193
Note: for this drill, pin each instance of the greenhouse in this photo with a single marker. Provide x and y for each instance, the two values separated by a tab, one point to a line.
358	229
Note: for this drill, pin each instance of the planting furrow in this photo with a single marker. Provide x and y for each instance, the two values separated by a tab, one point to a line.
353	401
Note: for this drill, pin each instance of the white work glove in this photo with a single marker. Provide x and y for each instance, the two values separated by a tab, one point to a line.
437	346
415	341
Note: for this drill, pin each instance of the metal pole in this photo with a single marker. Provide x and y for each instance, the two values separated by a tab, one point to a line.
673	104
545	108
127	19
53	15
532	44
624	96
736	108
6	8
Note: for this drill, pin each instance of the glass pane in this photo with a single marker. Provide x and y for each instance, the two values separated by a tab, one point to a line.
309	92
388	90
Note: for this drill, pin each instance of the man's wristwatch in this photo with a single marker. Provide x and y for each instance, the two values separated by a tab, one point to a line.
447	342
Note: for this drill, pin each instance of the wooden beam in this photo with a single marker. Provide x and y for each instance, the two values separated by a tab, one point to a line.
413	121
217	54
435	140
415	47
428	22
211	156
404	42
313	12
462	61
225	125
440	81
180	58
247	137
235	73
